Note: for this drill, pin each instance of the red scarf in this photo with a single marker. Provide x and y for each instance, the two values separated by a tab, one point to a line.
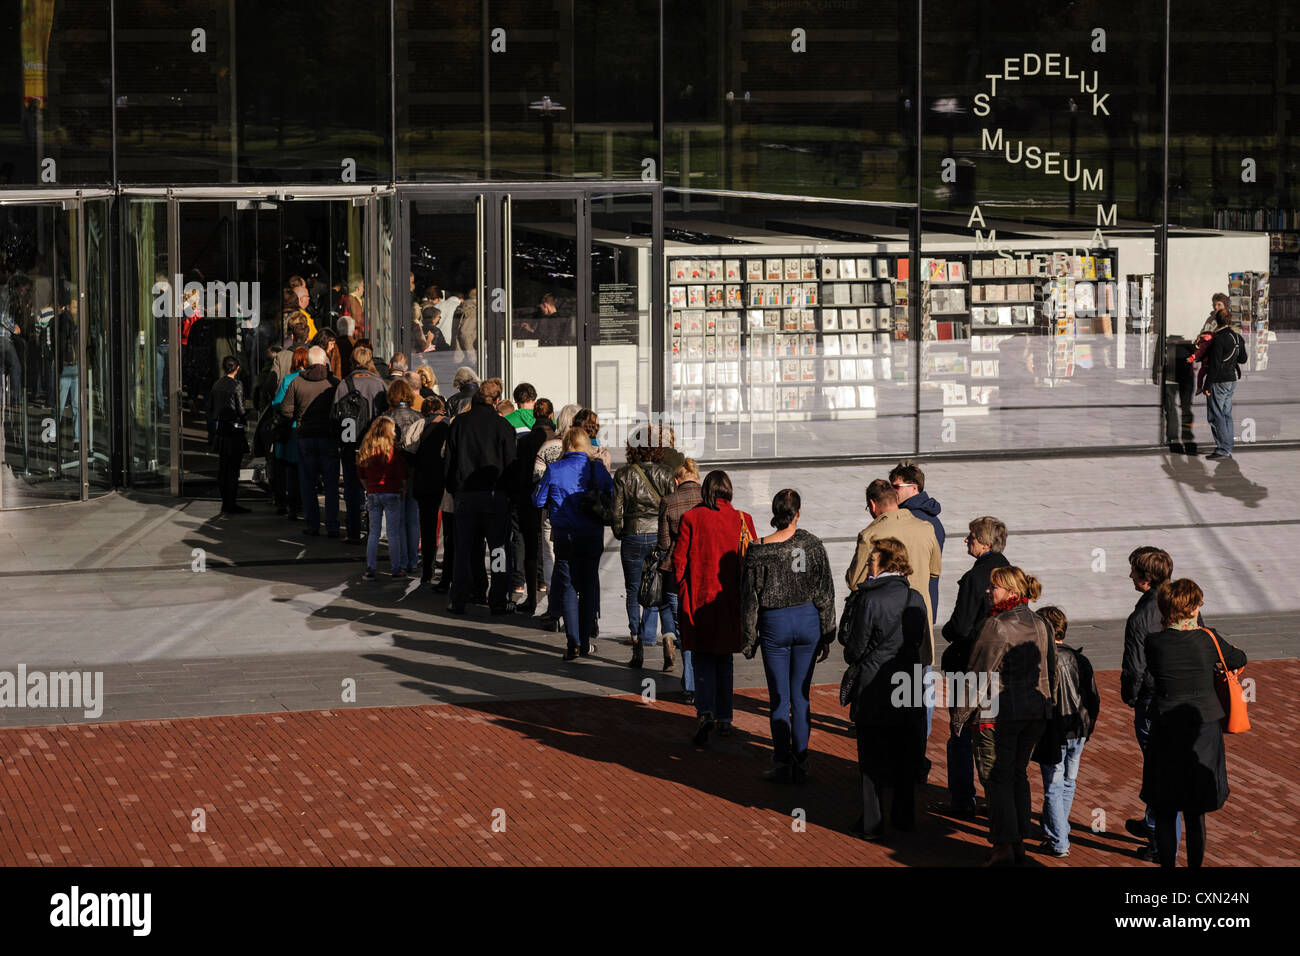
1007	605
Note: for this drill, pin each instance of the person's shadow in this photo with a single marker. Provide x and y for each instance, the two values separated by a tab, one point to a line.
1214	477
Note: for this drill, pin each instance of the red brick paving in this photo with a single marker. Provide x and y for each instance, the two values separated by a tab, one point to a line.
607	781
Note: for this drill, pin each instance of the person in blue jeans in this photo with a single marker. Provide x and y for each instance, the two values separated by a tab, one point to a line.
788	608
1223	360
1076	709
675	504
639	489
382	466
579	537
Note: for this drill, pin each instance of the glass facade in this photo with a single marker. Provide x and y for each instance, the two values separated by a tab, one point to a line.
797	229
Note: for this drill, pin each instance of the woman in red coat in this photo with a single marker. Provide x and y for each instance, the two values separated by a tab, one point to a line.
707	561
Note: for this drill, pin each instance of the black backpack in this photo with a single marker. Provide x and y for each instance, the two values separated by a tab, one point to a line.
355	406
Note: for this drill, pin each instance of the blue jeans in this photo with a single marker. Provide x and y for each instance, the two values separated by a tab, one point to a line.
576	582
384	509
714	674
1058	793
1218	409
789	637
353	491
319	458
410	532
961	768
641	621
1142	728
68	391
688	671
161	358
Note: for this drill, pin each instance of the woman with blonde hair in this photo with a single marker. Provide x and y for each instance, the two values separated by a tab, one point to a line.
1014	665
381	466
427	380
550	452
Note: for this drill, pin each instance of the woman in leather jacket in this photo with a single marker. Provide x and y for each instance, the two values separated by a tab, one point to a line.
639	486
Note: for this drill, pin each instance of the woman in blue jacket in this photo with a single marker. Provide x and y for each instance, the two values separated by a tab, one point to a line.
578	536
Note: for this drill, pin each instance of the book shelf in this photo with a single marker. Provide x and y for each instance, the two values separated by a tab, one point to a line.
1248	301
786	338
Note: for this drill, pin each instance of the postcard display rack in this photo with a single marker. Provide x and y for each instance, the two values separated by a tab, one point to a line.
785	338
1248	302
978	302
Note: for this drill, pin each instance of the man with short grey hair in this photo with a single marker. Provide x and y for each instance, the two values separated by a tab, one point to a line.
466	384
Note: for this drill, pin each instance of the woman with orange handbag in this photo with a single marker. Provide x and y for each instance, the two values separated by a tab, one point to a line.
1185	769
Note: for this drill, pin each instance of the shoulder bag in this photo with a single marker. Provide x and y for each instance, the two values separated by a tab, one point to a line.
1227	685
594	503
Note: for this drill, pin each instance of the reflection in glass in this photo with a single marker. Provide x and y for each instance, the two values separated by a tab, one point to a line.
444	274
544	298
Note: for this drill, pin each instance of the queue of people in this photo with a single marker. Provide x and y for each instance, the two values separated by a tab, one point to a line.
522	498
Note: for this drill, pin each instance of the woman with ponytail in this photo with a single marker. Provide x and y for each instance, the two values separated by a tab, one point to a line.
1013	667
788	607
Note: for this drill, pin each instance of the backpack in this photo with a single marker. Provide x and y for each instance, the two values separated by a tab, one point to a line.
355	406
408	435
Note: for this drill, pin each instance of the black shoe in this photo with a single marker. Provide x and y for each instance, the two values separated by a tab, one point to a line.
570	653
799	771
1138	828
703	725
638	656
527	608
1175	448
586	649
236	510
1149	854
923	772
498	611
443	586
1215	456
455	609
688	696
779	773
963	811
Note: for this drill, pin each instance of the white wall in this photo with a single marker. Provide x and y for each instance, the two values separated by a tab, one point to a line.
1199	267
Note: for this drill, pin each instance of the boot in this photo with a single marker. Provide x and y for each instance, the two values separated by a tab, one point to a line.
670	655
638	655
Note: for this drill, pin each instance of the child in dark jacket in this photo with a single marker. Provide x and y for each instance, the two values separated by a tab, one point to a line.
382	468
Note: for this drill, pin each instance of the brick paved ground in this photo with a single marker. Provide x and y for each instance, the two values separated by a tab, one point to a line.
606	780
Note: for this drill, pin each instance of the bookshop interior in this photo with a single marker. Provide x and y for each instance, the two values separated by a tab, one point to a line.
801	230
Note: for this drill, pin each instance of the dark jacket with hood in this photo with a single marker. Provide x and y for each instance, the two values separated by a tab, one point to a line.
1225	356
527	447
309	400
923	506
889	630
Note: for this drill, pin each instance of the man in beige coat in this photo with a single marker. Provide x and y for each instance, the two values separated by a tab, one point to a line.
916	535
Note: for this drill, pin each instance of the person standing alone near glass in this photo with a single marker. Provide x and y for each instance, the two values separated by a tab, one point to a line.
1223	361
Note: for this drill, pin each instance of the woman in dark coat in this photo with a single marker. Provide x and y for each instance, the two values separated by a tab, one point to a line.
890	628
706	562
429	483
1184	769
788	607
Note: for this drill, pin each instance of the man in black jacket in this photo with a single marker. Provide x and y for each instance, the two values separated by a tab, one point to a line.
1148	569
227	432
1223	361
481	449
985	543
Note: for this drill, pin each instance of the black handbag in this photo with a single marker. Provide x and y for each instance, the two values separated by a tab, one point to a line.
652	592
594	503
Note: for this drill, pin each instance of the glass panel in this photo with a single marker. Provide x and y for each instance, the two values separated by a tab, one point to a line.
542	341
1233	192
1041	182
812	99
146	307
444	273
176	92
531	112
788	328
621	340
381	295
54	93
39	344
100	400
440	112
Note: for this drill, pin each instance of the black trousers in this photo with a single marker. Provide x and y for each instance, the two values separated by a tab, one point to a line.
887	761
481	516
530	529
430	516
228	476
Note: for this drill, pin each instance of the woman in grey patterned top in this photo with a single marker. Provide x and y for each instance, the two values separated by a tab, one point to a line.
788	607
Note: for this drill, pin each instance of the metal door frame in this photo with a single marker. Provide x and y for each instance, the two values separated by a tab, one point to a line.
367	195
69	201
495	234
